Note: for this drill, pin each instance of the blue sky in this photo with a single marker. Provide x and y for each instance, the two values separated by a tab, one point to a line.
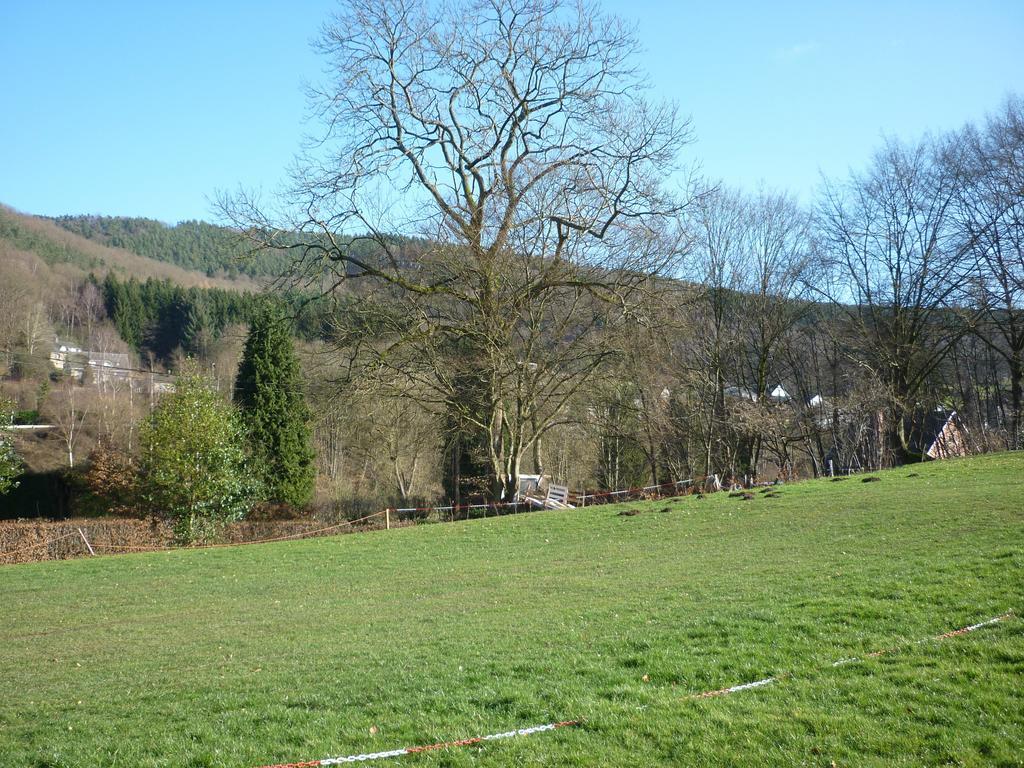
147	109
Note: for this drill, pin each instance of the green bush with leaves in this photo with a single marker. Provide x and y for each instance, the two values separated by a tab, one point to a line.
10	463
194	464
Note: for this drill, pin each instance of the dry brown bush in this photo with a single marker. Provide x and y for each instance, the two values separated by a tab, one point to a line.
26	541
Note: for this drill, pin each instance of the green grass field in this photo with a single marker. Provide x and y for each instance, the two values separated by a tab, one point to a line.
297	651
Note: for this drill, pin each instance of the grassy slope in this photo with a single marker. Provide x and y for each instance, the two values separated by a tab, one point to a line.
234	657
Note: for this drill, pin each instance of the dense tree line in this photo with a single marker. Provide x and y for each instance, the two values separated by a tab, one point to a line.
555	310
789	340
550	306
199	245
161	317
194	245
844	335
13	232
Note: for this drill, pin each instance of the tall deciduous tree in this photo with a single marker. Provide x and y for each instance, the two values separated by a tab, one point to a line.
990	215
72	408
269	392
720	265
889	236
515	138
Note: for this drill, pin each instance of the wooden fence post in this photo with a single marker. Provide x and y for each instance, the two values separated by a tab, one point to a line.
387	518
87	544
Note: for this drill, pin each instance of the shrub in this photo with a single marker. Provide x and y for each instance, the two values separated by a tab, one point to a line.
10	463
109	482
193	467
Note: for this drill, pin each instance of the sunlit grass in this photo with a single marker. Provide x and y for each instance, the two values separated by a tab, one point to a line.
295	651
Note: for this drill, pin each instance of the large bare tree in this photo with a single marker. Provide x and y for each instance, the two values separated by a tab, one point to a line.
720	267
888	234
514	140
990	215
774	301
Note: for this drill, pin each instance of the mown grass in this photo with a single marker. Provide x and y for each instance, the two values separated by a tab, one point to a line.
244	656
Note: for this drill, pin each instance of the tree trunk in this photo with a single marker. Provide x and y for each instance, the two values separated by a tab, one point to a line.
538	455
1016	396
505	485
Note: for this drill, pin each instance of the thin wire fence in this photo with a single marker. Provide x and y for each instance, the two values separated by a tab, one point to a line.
24	541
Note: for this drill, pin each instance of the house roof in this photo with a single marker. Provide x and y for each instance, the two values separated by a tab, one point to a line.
928	428
109	359
741	392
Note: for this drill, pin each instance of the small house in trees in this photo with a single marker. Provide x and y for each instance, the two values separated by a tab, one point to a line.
62	352
69	357
941	435
740	393
776	395
819	410
108	367
109	360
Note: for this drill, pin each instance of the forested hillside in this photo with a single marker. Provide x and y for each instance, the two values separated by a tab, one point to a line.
25	238
66	301
193	245
161	317
91	338
206	248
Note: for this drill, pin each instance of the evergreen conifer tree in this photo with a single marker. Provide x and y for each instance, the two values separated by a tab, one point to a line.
196	334
268	391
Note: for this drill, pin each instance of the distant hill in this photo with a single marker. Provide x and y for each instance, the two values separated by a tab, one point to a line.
208	248
156	307
193	245
25	238
159	269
